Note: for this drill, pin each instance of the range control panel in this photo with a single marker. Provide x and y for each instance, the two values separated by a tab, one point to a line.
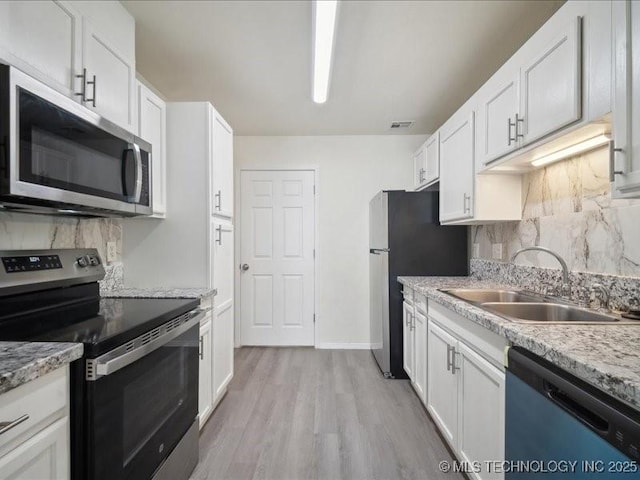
28	263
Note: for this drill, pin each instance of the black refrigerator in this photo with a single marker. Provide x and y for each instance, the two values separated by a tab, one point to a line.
405	239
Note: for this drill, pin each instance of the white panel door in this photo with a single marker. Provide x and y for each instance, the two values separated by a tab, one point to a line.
205	392
551	85
277	257
223	262
114	88
223	337
407	339
45	456
420	167
432	149
499	117
481	411
420	355
222	168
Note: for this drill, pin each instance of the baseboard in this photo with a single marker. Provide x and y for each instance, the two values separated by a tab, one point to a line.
343	346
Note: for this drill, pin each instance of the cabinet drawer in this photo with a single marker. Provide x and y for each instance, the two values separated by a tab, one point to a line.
407	294
43	400
420	302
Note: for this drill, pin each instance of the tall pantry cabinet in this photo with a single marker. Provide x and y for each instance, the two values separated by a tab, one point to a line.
192	247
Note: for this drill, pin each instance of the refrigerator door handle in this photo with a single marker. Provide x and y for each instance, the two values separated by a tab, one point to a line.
378	251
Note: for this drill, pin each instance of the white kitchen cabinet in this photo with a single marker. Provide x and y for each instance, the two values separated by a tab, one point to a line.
223	265
407	339
420	167
205	386
625	159
551	83
110	77
420	354
432	149
222	171
457	171
152	127
37	447
466	387
223	341
481	406
42	39
498	115
442	390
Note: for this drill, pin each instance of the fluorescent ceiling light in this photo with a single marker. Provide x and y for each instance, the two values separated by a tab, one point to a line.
573	150
324	25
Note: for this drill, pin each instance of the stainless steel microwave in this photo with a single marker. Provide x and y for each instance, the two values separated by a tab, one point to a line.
56	156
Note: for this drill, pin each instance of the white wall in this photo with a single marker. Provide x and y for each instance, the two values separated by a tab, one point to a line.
351	169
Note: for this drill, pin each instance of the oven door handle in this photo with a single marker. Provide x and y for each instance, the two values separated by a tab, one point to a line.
113	361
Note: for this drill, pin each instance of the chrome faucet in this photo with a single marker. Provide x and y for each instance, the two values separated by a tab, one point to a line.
603	295
565	289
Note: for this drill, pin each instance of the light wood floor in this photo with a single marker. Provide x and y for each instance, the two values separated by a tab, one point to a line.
300	413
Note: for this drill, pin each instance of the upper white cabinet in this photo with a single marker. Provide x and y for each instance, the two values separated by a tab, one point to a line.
426	162
222	169
84	49
152	127
457	167
625	157
551	83
42	38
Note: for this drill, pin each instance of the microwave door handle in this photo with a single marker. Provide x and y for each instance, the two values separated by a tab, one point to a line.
138	158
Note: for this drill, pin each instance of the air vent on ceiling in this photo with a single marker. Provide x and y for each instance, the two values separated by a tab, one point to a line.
400	125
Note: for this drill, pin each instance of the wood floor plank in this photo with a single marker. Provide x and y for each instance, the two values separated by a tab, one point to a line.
301	413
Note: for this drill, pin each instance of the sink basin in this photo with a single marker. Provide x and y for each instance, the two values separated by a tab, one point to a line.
480	295
548	313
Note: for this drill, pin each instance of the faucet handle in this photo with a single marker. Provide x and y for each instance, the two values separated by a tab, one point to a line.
602	294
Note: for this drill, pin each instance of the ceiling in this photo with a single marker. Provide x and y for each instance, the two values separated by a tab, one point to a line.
394	60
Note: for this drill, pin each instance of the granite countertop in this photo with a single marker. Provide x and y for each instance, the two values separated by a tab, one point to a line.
21	362
158	293
606	356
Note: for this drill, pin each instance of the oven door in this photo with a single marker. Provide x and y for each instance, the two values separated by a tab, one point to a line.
137	413
62	155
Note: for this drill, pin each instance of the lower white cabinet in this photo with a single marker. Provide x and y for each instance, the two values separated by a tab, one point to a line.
407	339
223	342
205	389
420	354
466	388
37	447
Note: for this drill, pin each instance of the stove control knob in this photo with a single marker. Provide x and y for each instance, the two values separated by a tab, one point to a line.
83	261
94	260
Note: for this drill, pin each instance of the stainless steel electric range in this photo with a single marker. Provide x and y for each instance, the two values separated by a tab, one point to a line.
134	394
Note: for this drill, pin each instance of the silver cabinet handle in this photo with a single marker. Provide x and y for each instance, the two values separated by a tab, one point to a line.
219	230
453	360
422	175
6	426
612	161
218	203
83	88
510	124
467	203
449	357
201	352
93	82
517	124
412	325
244	267
136	152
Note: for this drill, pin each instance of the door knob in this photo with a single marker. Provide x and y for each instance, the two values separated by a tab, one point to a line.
244	267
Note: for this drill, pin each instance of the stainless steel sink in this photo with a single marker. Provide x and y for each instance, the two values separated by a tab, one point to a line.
484	295
548	313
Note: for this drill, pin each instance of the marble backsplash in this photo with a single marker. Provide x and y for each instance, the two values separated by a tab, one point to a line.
568	208
27	231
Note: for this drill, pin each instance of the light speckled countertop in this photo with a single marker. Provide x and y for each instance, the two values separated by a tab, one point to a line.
606	356
21	362
158	293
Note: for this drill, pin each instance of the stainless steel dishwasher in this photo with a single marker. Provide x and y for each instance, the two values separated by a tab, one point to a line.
560	427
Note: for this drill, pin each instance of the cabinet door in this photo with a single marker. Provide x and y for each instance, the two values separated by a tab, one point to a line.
222	168
152	127
457	168
114	88
625	168
442	382
45	456
222	349
407	339
419	167
223	262
481	410
420	355
551	85
499	109
205	391
43	39
432	150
